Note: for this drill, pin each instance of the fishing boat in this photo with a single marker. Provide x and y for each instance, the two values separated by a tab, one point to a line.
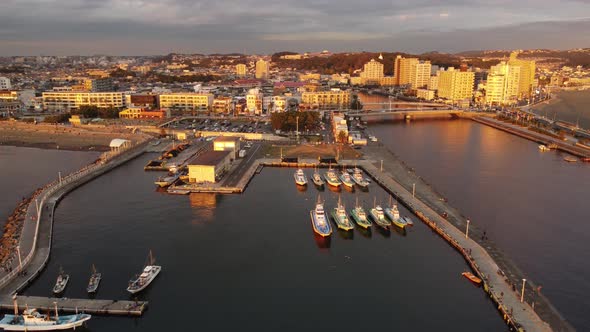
331	178
360	216
543	147
340	217
61	282
570	159
300	178
317	179
94	281
392	212
32	320
149	273
408	221
164	182
359	179
379	217
318	220
472	277
346	179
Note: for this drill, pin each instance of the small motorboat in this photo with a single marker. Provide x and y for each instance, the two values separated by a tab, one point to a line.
472	278
61	282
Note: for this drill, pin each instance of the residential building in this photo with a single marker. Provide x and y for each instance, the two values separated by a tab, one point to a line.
9	101
147	101
425	94
209	166
309	77
254	100
402	68
222	105
419	74
65	101
262	69
98	84
241	69
333	99
455	85
279	103
372	72
503	84
387	81
433	82
186	101
140	113
527	74
5	83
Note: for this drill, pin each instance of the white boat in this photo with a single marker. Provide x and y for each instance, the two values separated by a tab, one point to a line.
332	178
392	213
94	281
543	147
359	179
346	179
408	221
319	221
61	282
317	179
300	178
149	273
32	320
340	217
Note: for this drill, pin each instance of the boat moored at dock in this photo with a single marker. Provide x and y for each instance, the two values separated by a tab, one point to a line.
300	178
392	212
61	282
317	179
149	273
340	217
360	216
570	159
408	221
346	179
359	179
32	320
472	278
94	281
332	178
319	221
543	147
379	217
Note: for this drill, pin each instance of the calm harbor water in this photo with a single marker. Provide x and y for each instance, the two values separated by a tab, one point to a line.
531	203
570	106
251	261
26	169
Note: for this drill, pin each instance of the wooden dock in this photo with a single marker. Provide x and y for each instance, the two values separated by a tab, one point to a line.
67	305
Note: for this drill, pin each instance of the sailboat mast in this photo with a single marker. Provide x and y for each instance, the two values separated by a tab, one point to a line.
14	301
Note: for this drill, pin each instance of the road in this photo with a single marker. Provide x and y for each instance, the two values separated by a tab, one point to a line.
236	174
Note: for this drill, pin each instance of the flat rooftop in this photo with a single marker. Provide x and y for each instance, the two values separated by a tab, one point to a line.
209	158
226	139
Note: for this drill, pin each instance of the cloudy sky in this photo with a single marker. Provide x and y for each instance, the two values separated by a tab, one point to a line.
137	27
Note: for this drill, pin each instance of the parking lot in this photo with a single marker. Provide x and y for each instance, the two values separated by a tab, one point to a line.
224	125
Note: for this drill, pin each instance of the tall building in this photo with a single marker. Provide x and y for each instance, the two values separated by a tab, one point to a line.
64	101
420	74
254	100
241	69
502	86
262	68
455	85
402	68
372	72
186	101
527	74
5	83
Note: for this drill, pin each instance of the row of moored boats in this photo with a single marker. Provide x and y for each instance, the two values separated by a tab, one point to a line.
381	217
346	178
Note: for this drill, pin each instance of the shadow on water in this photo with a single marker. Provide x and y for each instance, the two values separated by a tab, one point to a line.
386	232
335	189
301	188
322	242
399	231
349	189
320	188
365	232
347	235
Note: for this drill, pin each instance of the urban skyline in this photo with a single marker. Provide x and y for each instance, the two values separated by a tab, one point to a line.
83	27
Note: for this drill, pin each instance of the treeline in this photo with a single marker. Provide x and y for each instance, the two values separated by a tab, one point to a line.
120	73
287	121
91	111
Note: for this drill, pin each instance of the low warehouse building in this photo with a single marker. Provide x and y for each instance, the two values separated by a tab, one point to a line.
209	166
227	143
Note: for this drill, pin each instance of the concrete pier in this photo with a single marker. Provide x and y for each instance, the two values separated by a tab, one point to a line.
65	305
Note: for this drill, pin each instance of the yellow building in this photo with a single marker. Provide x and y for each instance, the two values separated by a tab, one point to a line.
402	68
241	69
279	103
227	143
425	94
387	81
420	74
262	69
254	100
186	101
333	99
372	72
309	77
222	105
527	74
503	84
455	85
64	101
209	166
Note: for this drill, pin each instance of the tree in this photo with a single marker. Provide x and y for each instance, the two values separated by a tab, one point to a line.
342	137
58	118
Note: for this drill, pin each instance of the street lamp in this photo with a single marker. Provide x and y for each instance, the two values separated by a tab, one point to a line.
522	292
413	190
467	229
20	262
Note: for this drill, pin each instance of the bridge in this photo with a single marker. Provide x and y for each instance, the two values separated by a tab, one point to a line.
405	113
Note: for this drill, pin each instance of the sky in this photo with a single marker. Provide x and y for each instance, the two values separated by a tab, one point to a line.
149	27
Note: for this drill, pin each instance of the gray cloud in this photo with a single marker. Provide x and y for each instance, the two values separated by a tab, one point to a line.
161	26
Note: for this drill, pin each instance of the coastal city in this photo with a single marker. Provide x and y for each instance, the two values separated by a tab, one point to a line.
277	187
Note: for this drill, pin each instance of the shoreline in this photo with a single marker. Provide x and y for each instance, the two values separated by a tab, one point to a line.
54	146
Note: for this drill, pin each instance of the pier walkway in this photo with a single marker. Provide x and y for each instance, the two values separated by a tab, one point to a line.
89	306
534	136
36	235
